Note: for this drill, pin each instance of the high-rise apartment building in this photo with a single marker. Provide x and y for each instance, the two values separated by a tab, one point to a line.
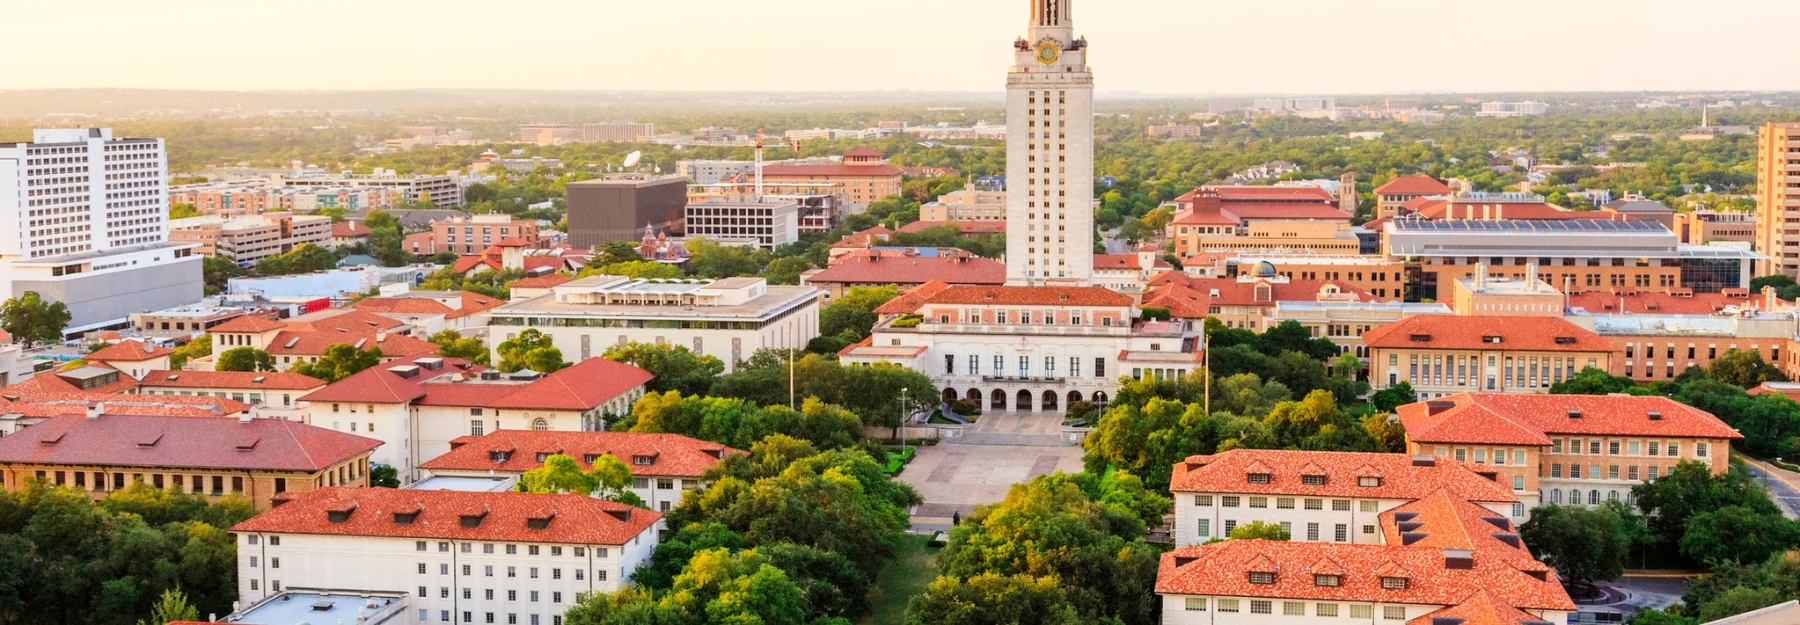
1050	153
1778	198
84	220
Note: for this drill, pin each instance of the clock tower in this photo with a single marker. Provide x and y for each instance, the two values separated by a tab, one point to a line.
1050	153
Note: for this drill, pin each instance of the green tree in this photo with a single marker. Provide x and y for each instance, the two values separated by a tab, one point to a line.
637	270
1738	601
200	347
216	272
1387	431
1659	617
1593	381
172	606
855	311
183	211
530	350
787	270
1672	502
559	474
377	219
1583	544
384	476
245	359
712	260
388	246
1258	530
304	258
992	599
452	344
612	480
1744	368
1393	397
32	321
675	367
614	253
1737	534
340	361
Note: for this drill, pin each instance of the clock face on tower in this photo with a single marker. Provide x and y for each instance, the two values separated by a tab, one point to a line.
1048	52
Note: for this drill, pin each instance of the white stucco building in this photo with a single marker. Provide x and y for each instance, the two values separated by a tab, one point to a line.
1318	496
419	406
729	319
459	557
663	466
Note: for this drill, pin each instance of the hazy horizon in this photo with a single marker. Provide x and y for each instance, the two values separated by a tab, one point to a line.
1152	47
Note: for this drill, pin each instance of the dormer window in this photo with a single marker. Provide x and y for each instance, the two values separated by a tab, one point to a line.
643	461
591	458
1394	583
1262	578
1565	340
1421	338
472	521
1258	478
499	456
1369	481
1490	339
1328	581
406	518
543	456
1312	480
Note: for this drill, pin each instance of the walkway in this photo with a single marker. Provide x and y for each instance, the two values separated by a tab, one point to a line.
979	467
1783	485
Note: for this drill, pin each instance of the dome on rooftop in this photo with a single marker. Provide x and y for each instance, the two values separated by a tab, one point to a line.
1264	269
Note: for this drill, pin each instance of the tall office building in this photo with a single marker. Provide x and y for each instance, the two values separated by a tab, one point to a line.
1050	153
84	220
1778	198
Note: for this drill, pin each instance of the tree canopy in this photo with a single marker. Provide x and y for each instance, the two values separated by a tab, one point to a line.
33	321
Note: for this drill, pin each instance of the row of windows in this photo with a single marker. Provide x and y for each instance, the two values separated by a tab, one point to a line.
512	572
1593	447
1296	608
511	549
1024	369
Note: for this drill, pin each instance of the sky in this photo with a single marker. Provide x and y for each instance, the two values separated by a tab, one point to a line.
1150	46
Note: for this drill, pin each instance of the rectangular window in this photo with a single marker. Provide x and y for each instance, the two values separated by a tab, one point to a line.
1293	608
1312	532
1340	505
1329	610
1228	605
1259	502
1228	501
1342	533
1262	606
1361	611
1393	613
1367	506
1284	503
1205	529
1315	504
1204	501
1196	604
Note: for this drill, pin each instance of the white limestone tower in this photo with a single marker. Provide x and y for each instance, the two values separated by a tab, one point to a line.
1050	153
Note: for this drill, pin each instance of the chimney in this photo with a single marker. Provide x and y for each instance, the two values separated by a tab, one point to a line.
380	337
249	415
1531	278
1500	213
1480	276
94	410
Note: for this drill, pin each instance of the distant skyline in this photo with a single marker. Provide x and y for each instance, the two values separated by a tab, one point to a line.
1150	46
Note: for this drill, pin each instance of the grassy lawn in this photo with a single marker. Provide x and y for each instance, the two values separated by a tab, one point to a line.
910	573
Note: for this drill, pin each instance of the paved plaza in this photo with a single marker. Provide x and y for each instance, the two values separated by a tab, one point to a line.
999	451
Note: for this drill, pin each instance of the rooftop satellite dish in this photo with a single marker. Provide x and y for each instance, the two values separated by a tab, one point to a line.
631	160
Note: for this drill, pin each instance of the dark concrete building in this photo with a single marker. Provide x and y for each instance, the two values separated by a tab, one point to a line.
618	207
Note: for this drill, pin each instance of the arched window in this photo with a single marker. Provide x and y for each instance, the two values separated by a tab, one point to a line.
1556	495
1574	496
540	425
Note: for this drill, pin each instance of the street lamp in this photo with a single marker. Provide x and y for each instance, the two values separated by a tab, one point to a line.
903	416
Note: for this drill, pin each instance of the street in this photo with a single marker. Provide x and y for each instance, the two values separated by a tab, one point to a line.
1781	485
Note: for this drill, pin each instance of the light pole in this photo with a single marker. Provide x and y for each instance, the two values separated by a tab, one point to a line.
903	416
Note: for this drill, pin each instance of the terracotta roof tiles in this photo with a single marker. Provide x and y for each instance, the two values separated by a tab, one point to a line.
1222	570
1399	477
567	519
912	270
1535	418
245	380
1419	184
131	350
161	441
669	455
1030	296
1544	334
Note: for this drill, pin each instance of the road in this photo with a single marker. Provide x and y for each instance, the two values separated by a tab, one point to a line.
1781	484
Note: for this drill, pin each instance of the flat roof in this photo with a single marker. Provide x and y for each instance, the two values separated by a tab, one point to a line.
775	300
465	484
326	606
1525	226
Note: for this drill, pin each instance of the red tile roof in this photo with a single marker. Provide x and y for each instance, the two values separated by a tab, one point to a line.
131	350
1400	477
1251	193
1482	608
392	344
341	319
512	242
573	519
231	379
472	303
1531	419
829	171
580	387
930	172
349	229
1188	297
912	270
864	151
1445	521
1515	334
189	443
540	282
1031	296
532	263
1116	261
1676	302
1419	184
910	301
1222	570
671	455
248	324
865	238
1790	389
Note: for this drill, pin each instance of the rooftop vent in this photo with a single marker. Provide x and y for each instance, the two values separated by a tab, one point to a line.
430	364
1408	538
622	515
1434	407
257	380
1421	338
1490	339
1565	340
1511	540
1424	461
490	376
1405	516
406	518
406	371
1655	415
1574	413
1410	526
340	511
1459	559
1181	561
1498	521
